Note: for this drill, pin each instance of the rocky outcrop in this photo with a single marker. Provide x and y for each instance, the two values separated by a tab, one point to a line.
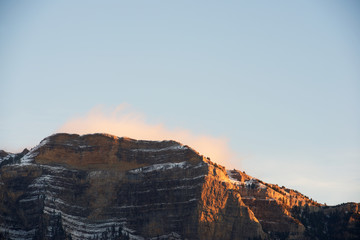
103	187
9	158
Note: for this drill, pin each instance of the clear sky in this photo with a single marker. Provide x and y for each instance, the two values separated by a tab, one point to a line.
278	80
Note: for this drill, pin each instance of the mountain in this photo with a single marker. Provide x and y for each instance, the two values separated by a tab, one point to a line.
100	186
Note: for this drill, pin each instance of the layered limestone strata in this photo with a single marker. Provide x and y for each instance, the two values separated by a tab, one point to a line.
103	187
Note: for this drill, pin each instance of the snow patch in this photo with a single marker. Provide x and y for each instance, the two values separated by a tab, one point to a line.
159	167
29	157
254	183
84	146
176	147
7	157
233	180
17	234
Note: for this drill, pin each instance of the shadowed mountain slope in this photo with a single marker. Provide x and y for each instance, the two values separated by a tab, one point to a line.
100	186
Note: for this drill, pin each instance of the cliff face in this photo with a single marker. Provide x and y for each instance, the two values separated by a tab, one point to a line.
104	187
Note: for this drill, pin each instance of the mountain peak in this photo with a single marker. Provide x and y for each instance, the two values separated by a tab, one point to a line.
94	151
107	187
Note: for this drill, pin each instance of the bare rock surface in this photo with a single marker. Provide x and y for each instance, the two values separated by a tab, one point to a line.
100	186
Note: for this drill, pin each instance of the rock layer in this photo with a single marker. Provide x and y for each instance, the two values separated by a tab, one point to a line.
103	187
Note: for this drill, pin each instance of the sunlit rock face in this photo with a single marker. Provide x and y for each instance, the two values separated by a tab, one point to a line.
103	187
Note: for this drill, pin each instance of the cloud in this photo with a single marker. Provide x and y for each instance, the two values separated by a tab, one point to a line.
123	121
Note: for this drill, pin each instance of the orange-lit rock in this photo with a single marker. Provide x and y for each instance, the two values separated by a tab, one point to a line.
103	186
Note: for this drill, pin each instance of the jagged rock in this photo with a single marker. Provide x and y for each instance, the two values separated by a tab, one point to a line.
8	158
103	187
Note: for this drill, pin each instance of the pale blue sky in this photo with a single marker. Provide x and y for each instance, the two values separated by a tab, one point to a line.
279	79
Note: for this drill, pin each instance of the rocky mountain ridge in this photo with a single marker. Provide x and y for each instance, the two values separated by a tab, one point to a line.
100	186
